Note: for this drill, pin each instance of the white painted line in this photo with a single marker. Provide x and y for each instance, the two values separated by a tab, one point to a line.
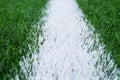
65	54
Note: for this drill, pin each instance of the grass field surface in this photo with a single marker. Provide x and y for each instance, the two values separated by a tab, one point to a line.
18	32
104	15
66	31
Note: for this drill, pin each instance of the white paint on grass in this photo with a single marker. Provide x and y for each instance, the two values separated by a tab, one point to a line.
66	53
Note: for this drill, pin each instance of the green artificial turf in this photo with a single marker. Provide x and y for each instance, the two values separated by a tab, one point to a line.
104	15
18	31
